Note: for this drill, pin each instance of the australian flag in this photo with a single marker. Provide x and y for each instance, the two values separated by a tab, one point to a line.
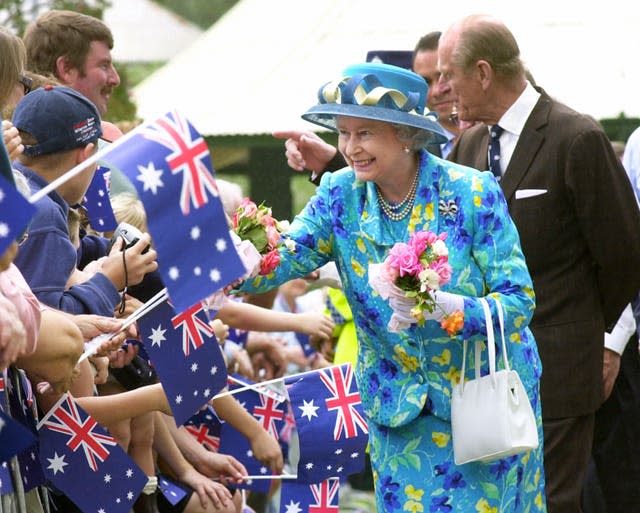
171	489
270	414
97	203
205	428
22	410
186	355
85	463
330	421
168	161
297	497
15	214
14	437
305	344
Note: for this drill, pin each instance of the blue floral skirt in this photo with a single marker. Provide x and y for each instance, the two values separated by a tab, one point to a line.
414	471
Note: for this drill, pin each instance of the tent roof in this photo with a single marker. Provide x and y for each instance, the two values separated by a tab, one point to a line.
259	68
144	31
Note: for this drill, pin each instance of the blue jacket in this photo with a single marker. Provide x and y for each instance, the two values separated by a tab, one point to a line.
400	374
48	257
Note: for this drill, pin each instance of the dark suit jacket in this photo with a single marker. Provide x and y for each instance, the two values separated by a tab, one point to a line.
581	240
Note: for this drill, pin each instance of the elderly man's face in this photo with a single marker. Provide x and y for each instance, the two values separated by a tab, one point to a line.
465	85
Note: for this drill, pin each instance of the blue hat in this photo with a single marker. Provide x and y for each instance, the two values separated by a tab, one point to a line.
376	91
59	118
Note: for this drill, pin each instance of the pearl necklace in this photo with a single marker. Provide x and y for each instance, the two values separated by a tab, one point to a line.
400	210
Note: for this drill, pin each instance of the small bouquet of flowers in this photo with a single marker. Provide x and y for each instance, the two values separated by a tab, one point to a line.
254	224
410	275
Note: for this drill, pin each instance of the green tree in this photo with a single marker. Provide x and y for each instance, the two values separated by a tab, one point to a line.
203	13
16	14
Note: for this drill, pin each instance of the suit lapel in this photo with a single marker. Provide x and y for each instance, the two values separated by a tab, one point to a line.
528	145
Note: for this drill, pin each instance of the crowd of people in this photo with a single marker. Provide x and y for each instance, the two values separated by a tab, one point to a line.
549	235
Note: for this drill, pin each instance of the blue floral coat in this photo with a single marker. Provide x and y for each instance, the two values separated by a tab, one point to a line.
402	376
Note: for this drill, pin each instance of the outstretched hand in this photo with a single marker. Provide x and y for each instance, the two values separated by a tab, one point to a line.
305	150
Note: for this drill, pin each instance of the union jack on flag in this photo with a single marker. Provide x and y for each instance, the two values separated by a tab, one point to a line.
187	358
79	429
189	156
299	497
78	455
331	426
268	412
193	327
168	162
205	427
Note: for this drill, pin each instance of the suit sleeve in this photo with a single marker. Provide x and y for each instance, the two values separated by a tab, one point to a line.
609	219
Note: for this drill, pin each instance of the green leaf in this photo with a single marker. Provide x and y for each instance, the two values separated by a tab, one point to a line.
414	461
412	445
490	490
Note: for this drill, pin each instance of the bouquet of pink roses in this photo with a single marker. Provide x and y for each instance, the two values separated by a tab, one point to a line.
410	276
255	224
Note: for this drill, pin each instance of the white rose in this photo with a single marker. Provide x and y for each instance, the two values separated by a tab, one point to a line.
440	248
429	279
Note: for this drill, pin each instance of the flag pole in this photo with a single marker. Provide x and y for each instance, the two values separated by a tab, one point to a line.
91	347
271	382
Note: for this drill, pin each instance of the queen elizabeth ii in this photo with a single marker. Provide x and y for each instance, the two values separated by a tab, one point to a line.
390	189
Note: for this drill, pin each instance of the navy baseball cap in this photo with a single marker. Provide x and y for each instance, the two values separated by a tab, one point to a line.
59	118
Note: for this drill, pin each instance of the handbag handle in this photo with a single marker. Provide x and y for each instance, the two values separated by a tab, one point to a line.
490	345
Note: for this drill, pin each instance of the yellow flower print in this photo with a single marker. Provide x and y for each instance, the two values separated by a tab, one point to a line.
428	212
538	500
360	245
515	338
440	439
415	218
477	201
519	321
476	185
453	375
413	493
482	506
324	246
443	359
408	363
414	504
357	267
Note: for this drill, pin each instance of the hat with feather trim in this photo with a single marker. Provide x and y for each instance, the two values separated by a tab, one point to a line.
377	91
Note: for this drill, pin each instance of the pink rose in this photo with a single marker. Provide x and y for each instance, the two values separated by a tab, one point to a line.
388	273
267	220
248	208
443	269
269	262
273	236
403	258
420	240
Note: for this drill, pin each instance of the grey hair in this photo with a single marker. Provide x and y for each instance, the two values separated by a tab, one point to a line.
418	137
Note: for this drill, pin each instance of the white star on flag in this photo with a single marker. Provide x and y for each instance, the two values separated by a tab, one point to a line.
129	473
150	178
293	507
57	463
178	399
197	271
195	233
4	229
221	245
130	496
157	336
1	195
308	409
214	275
174	273
107	478
194	367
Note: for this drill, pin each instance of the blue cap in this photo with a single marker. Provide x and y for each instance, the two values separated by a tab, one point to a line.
59	118
377	91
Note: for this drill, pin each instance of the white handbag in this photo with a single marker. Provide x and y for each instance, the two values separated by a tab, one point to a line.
491	416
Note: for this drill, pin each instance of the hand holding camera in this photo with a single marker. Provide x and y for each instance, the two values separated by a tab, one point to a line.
130	256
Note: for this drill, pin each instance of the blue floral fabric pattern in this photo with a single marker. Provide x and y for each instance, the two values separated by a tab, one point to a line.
405	379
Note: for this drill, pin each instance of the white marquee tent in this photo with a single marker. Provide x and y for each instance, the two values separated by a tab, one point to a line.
261	65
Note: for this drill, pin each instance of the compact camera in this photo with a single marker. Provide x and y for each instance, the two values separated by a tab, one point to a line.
129	233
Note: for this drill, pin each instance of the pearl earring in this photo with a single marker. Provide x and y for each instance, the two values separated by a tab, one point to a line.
407	150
